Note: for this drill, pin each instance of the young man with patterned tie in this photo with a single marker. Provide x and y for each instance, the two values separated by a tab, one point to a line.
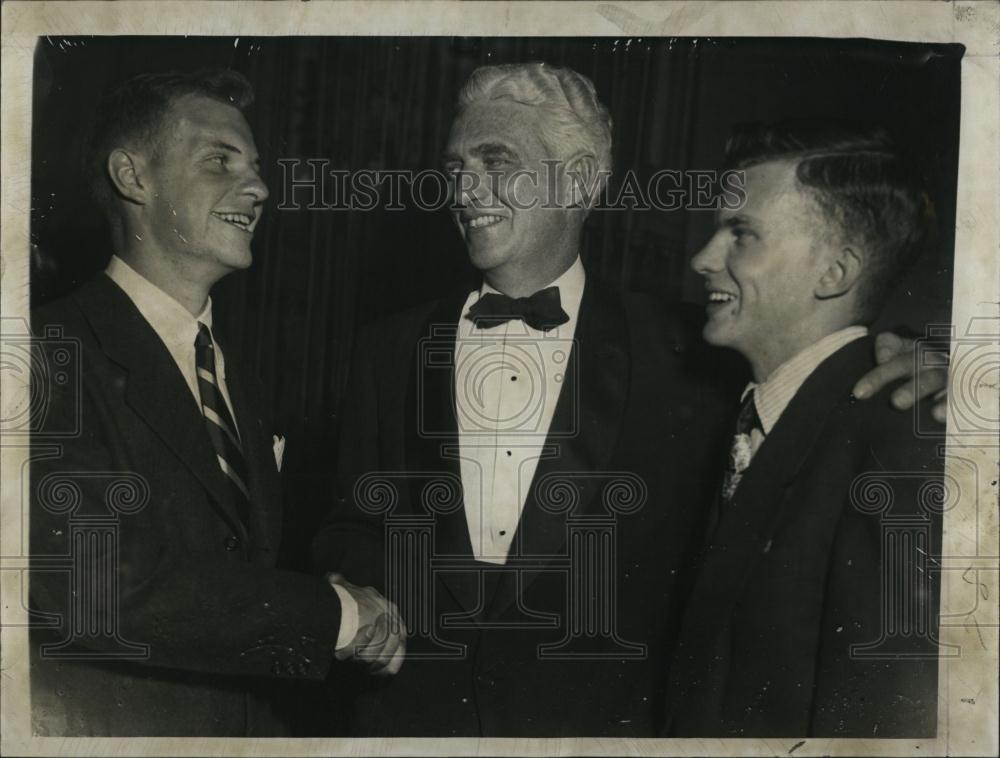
806	619
499	425
177	621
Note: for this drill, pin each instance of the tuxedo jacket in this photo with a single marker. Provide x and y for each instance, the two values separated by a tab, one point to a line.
512	651
795	573
174	619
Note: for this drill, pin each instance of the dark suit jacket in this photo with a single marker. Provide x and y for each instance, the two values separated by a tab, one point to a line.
203	615
792	577
632	410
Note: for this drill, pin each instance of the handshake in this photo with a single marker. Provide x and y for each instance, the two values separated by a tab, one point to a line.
380	640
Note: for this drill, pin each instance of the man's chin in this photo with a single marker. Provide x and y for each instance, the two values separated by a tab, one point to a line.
239	259
716	333
485	258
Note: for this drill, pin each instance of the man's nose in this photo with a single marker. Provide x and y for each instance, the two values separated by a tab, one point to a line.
710	258
255	187
470	188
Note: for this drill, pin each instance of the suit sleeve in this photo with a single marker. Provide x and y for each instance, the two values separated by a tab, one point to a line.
134	592
351	540
877	663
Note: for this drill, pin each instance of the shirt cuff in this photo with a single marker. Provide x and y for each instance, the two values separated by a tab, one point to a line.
348	617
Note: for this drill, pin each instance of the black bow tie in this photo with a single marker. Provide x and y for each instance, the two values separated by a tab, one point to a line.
541	311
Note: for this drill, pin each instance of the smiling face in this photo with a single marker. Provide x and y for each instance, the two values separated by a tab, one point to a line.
509	234
205	193
762	268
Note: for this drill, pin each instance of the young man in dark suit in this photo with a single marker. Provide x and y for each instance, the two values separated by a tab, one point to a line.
810	616
523	465
156	512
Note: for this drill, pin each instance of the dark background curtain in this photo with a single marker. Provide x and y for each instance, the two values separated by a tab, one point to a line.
386	103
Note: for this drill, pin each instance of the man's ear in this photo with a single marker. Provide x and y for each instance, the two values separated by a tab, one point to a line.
581	180
127	170
842	273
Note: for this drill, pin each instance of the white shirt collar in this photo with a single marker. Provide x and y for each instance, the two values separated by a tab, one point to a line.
570	284
171	321
774	394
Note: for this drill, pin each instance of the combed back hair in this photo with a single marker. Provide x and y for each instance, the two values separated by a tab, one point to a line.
865	190
134	113
573	119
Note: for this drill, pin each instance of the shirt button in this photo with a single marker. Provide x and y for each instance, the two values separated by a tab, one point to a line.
232	542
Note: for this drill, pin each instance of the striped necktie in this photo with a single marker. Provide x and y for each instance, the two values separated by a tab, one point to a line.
221	428
741	451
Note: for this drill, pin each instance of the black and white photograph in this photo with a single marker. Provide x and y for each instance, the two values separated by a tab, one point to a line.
621	379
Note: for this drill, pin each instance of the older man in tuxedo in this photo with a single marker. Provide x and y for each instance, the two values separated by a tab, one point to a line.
524	465
525	404
173	618
810	616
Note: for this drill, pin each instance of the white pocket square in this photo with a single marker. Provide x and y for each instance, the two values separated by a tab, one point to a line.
279	450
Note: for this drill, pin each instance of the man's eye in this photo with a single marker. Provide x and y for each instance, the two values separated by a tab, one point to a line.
495	163
220	159
741	235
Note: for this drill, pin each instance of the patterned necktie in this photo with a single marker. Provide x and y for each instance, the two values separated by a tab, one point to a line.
221	428
741	451
541	311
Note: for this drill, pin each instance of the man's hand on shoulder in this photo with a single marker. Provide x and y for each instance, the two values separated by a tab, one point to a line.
379	639
895	358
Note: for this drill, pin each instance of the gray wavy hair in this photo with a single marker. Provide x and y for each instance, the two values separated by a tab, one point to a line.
574	119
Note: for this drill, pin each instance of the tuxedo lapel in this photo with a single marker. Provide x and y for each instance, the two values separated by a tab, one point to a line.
433	439
582	437
751	520
155	388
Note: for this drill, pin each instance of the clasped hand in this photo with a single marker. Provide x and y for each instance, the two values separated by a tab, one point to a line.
380	642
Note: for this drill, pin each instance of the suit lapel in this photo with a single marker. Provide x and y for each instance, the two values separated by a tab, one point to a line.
258	454
749	523
155	388
582	437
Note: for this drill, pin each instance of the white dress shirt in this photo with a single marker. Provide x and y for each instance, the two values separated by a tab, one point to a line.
173	324
773	395
177	329
507	383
